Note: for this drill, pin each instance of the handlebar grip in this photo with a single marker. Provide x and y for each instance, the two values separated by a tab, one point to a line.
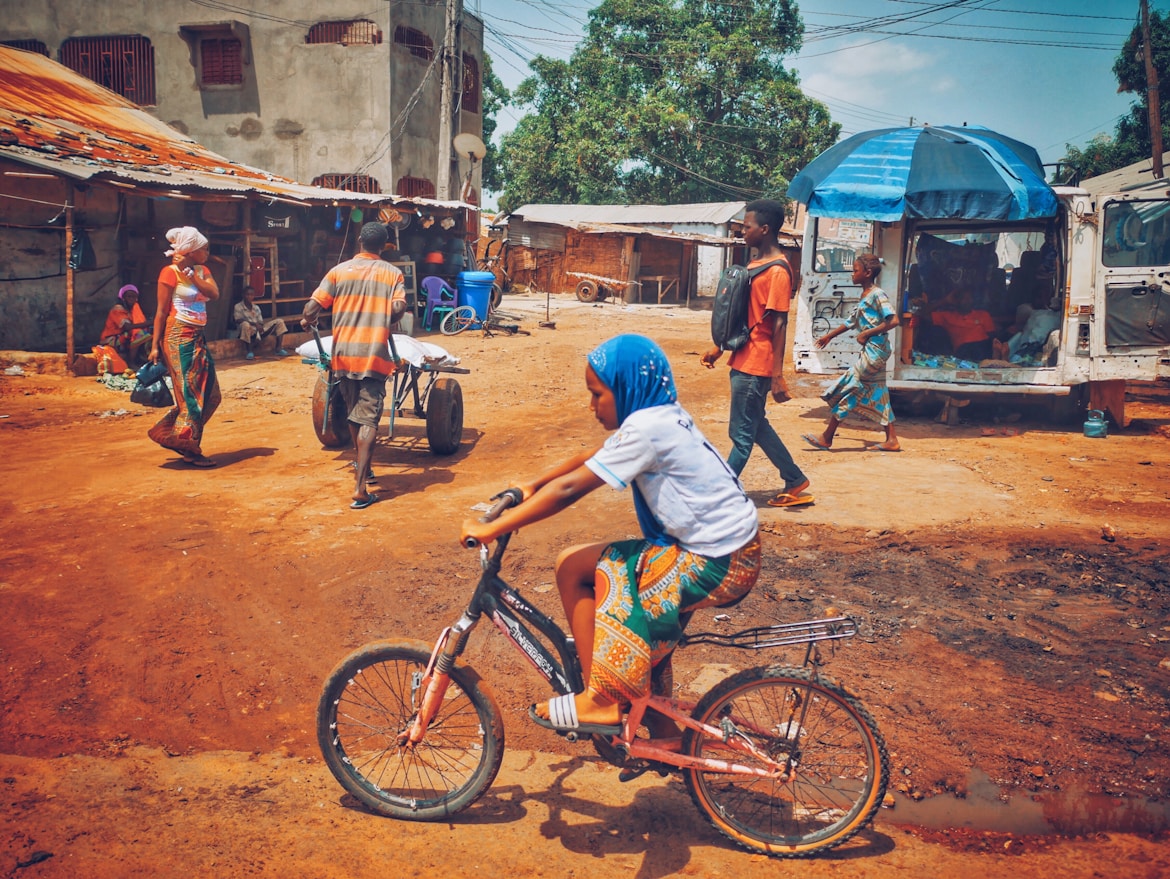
509	497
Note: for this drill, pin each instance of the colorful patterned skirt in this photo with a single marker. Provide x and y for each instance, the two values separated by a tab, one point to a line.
196	389
648	587
862	390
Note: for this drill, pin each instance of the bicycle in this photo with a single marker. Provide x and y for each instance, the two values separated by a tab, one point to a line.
497	264
464	317
781	760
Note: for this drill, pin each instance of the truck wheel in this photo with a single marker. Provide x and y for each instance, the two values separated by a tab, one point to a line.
335	434
445	416
587	291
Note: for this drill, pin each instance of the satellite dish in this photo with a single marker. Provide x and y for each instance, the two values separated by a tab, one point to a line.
467	144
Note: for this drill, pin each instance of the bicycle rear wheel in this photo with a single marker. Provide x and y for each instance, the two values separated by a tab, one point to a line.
834	758
458	319
371	697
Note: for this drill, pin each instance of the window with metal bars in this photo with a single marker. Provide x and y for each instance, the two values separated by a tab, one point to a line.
416	187
122	64
28	45
220	61
359	32
419	44
470	99
349	183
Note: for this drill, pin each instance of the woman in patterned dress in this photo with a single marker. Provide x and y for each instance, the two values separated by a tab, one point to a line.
863	388
700	543
185	286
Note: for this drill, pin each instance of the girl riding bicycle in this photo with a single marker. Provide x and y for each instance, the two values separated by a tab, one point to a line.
700	544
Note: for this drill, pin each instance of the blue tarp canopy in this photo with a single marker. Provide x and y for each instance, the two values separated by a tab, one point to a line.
933	172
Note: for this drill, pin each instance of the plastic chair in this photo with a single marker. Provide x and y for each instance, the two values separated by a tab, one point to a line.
440	299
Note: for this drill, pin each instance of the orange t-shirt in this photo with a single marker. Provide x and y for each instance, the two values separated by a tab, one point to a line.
974	326
361	291
771	291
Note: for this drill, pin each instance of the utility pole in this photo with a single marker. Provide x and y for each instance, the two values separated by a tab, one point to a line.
1153	98
450	69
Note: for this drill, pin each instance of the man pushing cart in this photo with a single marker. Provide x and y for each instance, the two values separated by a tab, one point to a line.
367	297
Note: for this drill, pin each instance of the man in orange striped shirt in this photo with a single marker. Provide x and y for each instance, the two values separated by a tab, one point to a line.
367	296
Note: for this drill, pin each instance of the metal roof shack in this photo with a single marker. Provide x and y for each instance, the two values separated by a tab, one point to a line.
1131	178
117	178
56	120
633	252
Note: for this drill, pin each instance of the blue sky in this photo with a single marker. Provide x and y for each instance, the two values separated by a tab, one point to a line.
1036	70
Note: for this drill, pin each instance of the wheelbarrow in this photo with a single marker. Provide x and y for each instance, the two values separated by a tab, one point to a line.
438	400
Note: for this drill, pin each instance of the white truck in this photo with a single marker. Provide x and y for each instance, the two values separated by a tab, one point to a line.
1102	264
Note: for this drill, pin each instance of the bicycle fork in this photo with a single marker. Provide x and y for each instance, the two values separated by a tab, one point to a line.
435	680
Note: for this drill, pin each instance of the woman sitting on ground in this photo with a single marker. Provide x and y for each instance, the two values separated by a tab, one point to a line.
127	328
624	598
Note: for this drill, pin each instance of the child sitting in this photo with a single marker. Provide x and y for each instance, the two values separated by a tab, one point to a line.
700	544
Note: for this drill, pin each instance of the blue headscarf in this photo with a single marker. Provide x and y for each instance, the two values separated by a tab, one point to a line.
636	370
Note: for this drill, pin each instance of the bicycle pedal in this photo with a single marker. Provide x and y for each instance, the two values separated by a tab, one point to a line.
632	771
629	773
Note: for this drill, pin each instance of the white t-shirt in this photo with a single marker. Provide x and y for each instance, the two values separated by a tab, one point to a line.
189	304
686	483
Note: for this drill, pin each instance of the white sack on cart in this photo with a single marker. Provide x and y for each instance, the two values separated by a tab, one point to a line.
414	351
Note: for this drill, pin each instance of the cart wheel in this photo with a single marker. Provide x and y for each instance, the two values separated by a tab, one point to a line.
497	296
587	291
445	416
335	434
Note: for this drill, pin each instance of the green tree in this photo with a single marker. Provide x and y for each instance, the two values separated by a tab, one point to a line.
667	101
1131	141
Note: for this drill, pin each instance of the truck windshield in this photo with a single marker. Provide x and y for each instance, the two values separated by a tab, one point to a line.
1136	233
839	242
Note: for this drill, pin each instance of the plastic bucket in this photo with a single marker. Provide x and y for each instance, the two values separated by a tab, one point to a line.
475	289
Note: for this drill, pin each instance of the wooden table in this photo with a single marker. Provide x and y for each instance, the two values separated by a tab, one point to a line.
665	283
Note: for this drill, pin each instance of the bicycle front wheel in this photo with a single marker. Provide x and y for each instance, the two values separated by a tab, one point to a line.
371	697
457	320
834	762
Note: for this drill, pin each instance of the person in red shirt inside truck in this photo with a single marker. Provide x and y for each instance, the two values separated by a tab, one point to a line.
969	329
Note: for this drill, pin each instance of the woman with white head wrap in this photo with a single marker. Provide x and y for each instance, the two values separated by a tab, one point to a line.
185	286
185	239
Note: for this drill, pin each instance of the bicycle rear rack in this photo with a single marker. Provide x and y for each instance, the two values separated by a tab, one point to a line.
779	635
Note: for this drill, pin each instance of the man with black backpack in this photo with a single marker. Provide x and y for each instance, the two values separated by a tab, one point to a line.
757	367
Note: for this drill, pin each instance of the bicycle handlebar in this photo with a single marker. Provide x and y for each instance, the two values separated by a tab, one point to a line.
509	497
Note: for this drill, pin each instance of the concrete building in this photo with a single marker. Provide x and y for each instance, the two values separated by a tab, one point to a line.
340	93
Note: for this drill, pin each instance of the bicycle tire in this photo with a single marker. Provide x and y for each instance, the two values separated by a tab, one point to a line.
838	761
458	319
371	696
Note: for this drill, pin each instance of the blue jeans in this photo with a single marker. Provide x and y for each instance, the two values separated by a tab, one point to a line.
749	426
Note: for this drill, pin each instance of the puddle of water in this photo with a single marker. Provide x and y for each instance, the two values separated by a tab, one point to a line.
1068	813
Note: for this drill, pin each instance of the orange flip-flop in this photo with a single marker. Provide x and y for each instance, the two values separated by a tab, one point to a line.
785	499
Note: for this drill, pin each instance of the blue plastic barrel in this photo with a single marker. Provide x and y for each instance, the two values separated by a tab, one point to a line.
475	289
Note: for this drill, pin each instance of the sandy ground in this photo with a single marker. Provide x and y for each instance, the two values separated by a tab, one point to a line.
166	631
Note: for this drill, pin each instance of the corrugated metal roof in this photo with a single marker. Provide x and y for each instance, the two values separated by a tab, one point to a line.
715	213
56	120
1139	175
618	228
785	239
